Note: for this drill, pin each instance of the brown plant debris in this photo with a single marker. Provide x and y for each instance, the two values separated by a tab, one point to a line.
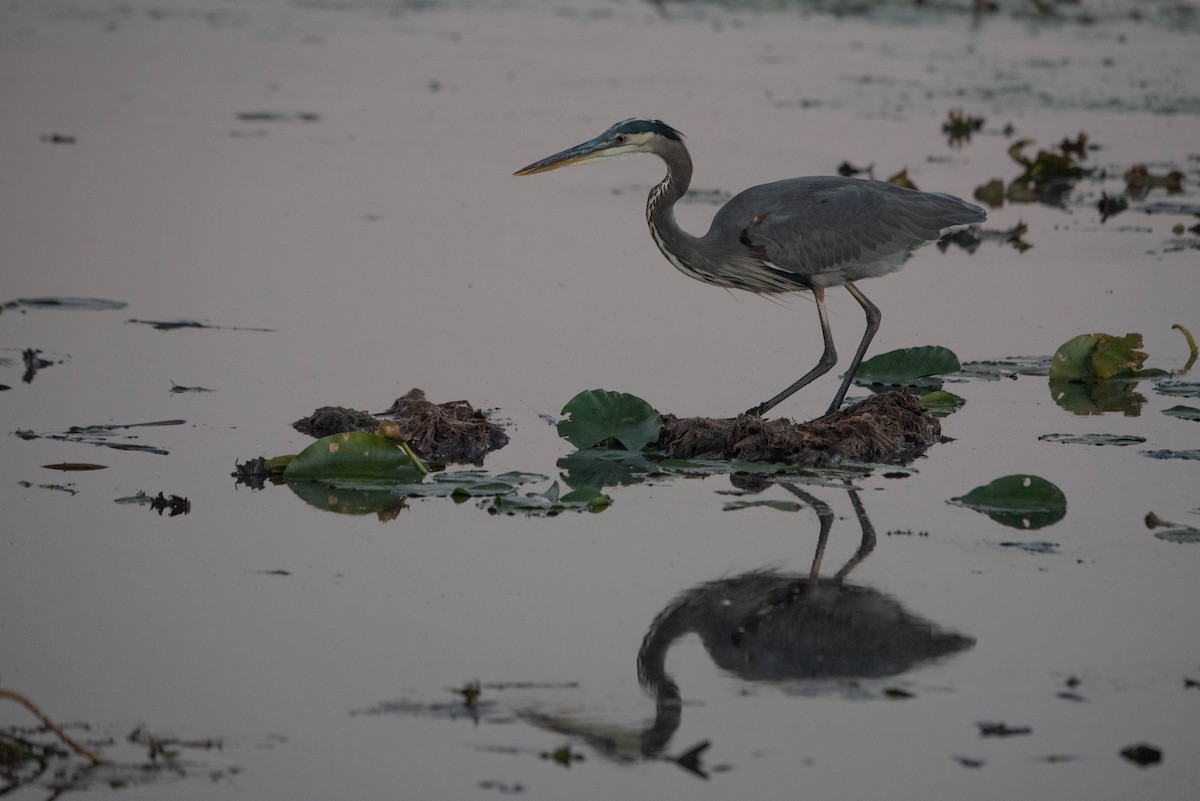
892	428
453	432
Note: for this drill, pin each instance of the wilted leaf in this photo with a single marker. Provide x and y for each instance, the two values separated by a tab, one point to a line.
905	365
1091	356
599	417
1018	501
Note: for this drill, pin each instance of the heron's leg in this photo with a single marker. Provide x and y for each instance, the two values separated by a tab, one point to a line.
828	359
873	318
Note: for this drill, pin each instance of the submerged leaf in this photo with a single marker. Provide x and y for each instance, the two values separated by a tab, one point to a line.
1018	501
598	417
905	365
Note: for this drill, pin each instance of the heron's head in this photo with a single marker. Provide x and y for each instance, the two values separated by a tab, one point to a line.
623	139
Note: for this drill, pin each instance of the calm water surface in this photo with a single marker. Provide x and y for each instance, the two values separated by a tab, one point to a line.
340	174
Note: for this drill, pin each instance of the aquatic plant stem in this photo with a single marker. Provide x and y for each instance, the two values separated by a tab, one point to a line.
93	757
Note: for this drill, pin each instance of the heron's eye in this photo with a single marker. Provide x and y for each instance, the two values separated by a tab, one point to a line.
621	139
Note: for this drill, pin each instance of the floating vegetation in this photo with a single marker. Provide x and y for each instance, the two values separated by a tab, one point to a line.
911	367
1094	439
1018	501
175	325
959	126
1139	181
100	435
1142	755
1089	357
33	362
179	389
609	419
66	304
1001	729
1183	413
1174	531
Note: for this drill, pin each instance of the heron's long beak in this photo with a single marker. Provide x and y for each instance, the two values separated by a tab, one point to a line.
591	149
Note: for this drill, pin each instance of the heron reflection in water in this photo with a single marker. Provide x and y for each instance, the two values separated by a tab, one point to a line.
768	626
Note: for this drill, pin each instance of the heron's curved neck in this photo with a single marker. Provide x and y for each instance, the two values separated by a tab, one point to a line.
677	245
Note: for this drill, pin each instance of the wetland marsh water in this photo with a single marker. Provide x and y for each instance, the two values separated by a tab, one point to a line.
339	174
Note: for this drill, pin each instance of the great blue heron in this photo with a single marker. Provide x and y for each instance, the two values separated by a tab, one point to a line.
796	235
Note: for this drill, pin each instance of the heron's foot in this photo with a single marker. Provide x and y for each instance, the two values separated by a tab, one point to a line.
756	411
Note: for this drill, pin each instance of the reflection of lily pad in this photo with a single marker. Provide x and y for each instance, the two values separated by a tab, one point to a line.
1018	501
907	366
597	418
597	467
550	503
1097	397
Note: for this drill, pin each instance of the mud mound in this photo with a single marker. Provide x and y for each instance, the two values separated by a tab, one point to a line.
892	428
450	432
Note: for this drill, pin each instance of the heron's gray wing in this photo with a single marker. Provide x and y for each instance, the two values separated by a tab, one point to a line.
831	230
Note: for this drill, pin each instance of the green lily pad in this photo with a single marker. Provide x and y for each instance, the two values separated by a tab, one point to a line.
599	418
907	365
1183	412
1018	501
353	456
